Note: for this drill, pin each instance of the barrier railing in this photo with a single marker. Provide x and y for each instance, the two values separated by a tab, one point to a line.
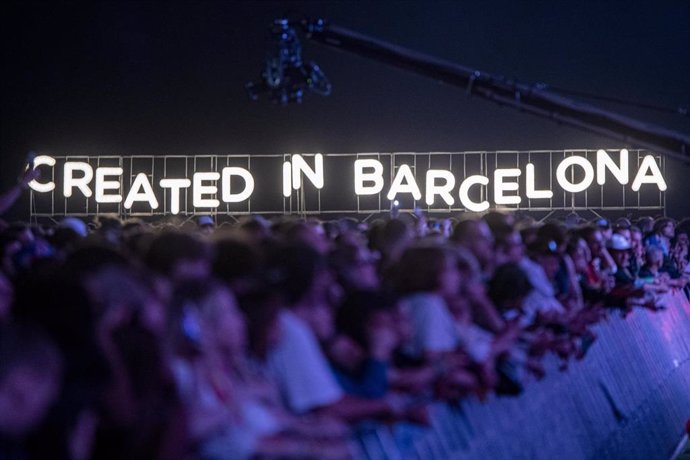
628	398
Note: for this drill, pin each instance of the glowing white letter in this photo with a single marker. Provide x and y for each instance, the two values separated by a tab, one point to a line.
586	167
443	190
649	163
102	185
464	193
500	187
175	185
48	186
200	190
141	182
287	179
375	176
619	172
82	183
300	166
248	184
529	182
404	173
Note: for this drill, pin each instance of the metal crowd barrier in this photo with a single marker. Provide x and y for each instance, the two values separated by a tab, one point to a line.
629	398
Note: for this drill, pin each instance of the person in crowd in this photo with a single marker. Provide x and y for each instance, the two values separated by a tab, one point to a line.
428	278
354	265
622	228
472	290
605	227
679	251
541	268
476	236
236	262
30	380
205	225
645	224
390	239
234	414
654	271
298	362
619	247
602	267
661	235
637	249
278	339
366	321
566	285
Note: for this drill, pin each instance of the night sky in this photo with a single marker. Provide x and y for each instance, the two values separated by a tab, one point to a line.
168	77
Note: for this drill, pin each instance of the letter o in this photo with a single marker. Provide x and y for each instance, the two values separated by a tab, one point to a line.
572	161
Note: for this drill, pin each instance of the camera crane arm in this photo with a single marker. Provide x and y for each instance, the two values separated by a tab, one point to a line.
533	99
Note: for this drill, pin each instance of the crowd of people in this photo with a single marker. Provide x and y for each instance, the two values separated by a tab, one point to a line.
277	339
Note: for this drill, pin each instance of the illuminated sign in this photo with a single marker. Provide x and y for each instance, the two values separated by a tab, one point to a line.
348	183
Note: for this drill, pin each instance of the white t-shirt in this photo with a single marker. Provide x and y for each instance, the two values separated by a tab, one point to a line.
300	369
542	298
233	440
434	326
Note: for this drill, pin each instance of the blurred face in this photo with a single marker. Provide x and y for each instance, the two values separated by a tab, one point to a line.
607	232
514	250
550	263
655	258
188	269
636	242
622	258
362	273
581	256
381	321
596	243
482	243
449	279
668	230
226	322
321	321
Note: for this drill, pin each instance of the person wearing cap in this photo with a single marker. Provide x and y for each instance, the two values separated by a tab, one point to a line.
75	224
623	229
605	226
619	247
206	225
622	222
629	290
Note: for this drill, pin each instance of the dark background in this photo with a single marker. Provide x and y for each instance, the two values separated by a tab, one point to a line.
168	77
